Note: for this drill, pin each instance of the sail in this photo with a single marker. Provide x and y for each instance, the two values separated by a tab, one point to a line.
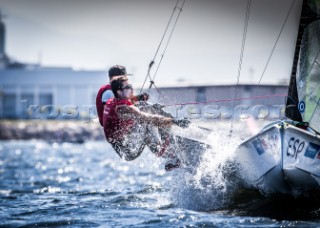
303	103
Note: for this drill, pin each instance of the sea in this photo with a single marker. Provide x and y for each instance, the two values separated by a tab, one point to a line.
48	184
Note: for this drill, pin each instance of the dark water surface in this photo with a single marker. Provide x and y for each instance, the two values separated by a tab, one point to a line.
87	185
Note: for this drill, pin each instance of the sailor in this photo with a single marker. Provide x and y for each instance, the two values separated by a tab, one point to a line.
105	93
126	126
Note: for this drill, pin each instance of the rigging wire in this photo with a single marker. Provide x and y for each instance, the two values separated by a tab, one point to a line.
160	44
245	31
168	41
244	40
275	44
228	100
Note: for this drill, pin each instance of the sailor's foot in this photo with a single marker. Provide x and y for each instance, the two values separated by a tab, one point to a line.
171	164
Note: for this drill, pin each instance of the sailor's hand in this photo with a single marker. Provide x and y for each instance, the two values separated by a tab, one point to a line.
183	123
143	97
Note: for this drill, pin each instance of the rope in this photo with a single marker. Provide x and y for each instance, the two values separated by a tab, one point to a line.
241	54
159	92
275	44
160	44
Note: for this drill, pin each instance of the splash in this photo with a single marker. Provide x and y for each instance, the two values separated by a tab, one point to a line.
210	185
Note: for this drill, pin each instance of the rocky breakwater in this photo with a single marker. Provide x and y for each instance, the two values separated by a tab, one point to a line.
52	131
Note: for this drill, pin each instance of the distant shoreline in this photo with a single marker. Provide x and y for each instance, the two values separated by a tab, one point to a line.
78	131
51	130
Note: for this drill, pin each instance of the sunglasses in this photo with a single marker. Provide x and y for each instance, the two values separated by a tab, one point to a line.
129	86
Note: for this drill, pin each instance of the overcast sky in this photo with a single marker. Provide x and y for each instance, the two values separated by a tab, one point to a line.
205	46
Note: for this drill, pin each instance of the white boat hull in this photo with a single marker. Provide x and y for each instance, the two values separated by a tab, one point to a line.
281	158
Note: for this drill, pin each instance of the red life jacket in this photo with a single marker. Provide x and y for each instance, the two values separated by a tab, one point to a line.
99	104
114	127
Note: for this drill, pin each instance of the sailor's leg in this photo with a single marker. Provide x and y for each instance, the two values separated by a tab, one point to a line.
153	139
155	136
170	154
166	149
160	141
133	144
126	151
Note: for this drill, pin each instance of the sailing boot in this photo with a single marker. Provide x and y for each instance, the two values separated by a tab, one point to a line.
172	163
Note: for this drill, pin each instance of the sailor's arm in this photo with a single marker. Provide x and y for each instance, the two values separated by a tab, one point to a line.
131	111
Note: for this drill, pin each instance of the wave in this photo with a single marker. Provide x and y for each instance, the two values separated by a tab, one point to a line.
215	185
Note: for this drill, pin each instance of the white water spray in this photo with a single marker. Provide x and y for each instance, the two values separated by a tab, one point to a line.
210	185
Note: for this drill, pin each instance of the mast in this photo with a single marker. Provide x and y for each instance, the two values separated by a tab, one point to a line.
307	17
2	37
